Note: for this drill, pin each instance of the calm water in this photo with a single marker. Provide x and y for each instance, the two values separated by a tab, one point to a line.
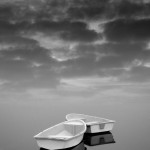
20	121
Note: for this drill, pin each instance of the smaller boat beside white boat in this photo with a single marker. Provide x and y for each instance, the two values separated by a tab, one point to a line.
64	135
94	124
98	138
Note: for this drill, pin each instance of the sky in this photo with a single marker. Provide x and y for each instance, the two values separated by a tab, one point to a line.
74	50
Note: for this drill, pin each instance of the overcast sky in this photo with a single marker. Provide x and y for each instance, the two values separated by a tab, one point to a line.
74	49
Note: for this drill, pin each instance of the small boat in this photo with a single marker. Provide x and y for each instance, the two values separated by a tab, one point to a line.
98	138
64	135
94	124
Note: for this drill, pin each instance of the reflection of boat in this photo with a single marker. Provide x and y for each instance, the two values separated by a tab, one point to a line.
80	146
63	135
94	124
98	138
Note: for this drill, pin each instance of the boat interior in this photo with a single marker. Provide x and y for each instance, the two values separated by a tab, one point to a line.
88	119
63	131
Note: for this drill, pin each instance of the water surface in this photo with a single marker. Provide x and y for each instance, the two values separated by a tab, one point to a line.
20	121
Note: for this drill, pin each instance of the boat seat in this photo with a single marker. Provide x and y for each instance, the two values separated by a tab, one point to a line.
62	135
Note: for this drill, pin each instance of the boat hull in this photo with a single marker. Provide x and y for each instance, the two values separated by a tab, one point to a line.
80	146
59	144
95	128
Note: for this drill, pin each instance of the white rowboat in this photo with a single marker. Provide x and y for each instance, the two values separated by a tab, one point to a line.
94	124
63	135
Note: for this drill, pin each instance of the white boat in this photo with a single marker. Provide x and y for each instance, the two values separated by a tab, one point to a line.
64	135
94	124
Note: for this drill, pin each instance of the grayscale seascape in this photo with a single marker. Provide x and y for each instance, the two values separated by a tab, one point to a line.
75	56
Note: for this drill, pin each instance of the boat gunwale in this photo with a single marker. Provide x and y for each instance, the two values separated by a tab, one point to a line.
92	122
98	122
58	138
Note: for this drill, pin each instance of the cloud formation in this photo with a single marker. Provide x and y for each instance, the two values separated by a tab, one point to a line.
62	44
128	30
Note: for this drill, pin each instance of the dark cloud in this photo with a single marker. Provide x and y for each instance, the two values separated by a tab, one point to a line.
17	41
87	64
26	67
60	10
47	16
86	9
125	51
128	9
69	31
128	30
97	9
8	28
115	59
82	35
124	55
67	20
5	12
22	58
